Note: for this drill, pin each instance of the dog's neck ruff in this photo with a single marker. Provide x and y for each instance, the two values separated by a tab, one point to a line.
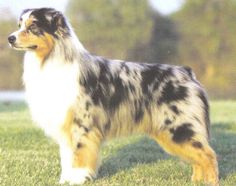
52	89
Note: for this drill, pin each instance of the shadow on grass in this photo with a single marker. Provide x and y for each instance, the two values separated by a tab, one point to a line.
147	151
144	151
224	143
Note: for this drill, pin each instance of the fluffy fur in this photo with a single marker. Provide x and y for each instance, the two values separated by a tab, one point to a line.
81	100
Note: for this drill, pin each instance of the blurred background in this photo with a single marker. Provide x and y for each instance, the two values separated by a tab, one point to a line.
196	33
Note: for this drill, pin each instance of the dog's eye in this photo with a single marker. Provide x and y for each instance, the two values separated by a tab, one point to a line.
33	28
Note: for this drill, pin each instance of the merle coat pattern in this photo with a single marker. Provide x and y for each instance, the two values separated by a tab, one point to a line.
81	100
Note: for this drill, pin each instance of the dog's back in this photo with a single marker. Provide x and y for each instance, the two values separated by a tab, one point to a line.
148	96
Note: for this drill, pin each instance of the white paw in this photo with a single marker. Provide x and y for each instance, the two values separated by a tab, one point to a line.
75	176
62	179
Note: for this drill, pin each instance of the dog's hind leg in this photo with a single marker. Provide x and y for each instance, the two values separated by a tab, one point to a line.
79	150
194	150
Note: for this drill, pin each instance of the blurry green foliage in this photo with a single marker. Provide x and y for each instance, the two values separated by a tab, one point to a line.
208	43
111	27
161	47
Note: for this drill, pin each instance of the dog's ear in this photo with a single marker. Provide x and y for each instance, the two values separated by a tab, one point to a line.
51	21
58	22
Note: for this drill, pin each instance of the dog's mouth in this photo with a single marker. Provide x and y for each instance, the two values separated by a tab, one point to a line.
31	47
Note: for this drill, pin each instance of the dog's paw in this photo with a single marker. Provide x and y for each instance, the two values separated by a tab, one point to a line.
76	176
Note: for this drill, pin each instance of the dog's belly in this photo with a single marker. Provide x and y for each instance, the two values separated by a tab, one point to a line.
50	93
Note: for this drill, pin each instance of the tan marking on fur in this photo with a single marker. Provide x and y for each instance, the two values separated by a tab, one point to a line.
123	124
197	173
44	43
205	158
67	127
86	156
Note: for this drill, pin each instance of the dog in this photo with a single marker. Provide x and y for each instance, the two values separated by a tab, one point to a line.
82	100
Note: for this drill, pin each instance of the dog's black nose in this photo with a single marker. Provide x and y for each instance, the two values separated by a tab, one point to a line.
12	39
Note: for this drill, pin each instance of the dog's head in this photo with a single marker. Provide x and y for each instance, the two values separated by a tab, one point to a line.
38	29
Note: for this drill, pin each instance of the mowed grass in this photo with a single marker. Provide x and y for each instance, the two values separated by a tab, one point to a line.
29	158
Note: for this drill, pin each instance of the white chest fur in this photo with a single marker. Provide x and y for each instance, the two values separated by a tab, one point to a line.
50	91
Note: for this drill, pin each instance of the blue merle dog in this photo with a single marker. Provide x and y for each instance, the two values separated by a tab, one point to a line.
81	100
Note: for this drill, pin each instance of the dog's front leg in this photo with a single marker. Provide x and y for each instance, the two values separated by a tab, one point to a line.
72	172
79	151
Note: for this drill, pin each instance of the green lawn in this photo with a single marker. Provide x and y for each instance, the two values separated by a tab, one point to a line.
28	158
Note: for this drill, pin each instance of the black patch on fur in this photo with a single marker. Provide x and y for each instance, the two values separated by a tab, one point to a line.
43	22
107	126
197	119
35	29
168	122
139	111
182	133
132	88
90	83
87	115
125	68
146	102
189	71
55	23
197	144
203	98
88	178
175	109
120	94
87	105
86	129
171	93
152	77
104	76
77	121
98	96
172	130
164	74
148	77
79	145
99	87
101	92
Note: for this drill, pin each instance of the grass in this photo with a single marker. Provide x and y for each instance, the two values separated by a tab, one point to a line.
28	157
